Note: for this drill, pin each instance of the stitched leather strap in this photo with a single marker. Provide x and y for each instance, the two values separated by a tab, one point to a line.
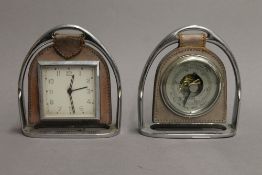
192	40
68	46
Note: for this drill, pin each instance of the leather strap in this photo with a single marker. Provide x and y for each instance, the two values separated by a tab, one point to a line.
192	40
68	46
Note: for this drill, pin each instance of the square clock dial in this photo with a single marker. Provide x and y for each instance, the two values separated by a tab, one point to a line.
69	90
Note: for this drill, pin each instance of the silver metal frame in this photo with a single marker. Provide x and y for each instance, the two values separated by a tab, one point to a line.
171	39
182	59
93	64
90	40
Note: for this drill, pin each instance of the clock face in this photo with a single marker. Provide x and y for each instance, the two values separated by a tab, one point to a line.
69	90
191	86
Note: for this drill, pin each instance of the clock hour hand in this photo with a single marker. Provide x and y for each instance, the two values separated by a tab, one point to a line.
78	89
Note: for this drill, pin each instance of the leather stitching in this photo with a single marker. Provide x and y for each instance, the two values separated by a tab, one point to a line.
78	50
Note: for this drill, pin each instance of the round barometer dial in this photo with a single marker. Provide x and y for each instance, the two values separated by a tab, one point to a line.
191	86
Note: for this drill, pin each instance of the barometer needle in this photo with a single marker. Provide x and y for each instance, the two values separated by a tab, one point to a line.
186	98
197	81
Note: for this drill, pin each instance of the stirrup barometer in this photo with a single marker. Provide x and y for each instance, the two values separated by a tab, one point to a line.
190	88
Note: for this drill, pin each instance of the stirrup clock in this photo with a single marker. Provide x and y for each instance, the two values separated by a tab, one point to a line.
69	87
190	88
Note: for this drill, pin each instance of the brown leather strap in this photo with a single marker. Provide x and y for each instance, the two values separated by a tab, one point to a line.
192	40
68	45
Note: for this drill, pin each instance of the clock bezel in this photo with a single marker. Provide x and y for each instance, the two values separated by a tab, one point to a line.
94	64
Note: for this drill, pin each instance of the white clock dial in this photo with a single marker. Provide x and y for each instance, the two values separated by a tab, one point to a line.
191	86
68	91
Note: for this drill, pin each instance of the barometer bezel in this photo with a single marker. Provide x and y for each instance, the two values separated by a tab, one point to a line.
178	62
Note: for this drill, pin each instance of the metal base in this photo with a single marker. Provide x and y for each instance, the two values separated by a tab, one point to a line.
70	132
188	131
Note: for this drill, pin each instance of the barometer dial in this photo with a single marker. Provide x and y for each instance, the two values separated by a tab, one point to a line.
191	86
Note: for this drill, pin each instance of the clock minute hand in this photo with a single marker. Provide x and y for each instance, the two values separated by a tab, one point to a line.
72	103
69	91
79	89
72	81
